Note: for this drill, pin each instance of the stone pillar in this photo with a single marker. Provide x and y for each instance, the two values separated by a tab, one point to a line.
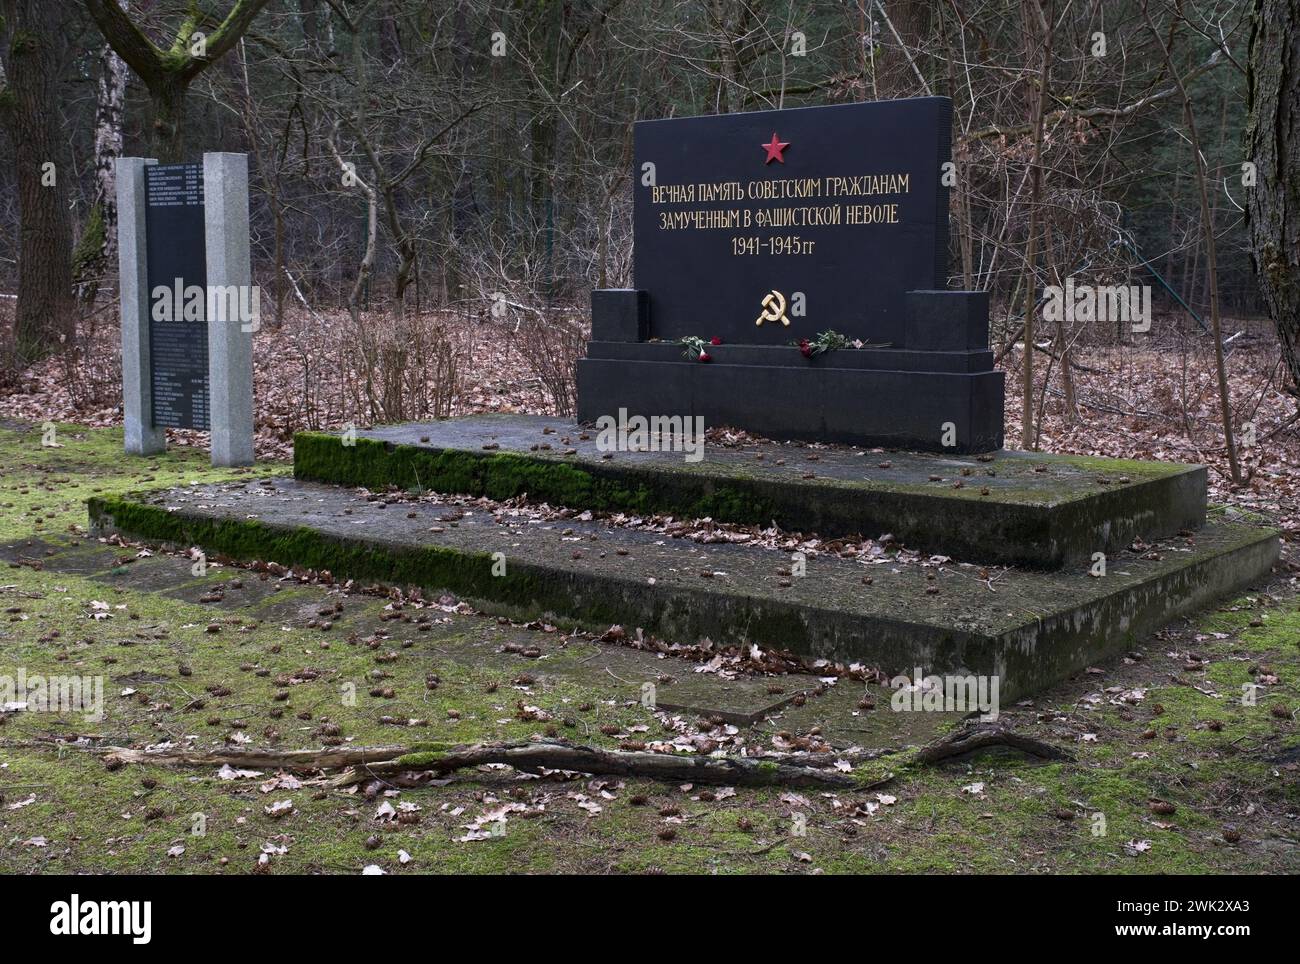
137	374
230	334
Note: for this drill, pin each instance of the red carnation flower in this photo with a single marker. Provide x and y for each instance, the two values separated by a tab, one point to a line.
805	349
705	356
715	340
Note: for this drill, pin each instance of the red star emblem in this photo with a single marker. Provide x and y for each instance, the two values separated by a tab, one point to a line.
774	149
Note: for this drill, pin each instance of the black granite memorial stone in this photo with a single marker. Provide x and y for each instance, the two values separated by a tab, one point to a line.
177	265
754	231
838	210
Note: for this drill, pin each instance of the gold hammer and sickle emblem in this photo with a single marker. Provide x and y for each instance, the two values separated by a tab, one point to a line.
773	308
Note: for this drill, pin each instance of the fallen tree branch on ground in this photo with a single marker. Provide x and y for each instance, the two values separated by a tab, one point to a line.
361	762
961	742
331	758
540	756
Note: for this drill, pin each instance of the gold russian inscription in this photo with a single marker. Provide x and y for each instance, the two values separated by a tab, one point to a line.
847	201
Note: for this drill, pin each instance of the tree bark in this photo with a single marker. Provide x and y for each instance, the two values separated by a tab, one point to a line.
167	119
46	307
788	770
98	244
108	140
1273	145
372	232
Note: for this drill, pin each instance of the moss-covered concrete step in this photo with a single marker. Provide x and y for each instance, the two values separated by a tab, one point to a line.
1013	508
1027	628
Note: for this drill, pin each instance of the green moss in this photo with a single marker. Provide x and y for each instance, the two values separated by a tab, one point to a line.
80	804
425	759
23	42
933	826
525	589
91	243
1131	467
177	56
505	475
245	539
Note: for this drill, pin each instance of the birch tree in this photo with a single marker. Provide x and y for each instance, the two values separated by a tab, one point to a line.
98	245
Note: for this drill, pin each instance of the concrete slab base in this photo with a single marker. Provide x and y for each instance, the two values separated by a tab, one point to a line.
1012	508
1026	628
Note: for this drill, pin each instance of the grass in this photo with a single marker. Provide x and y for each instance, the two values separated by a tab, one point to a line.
43	487
1228	768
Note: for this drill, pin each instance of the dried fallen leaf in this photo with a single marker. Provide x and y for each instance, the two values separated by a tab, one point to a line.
278	809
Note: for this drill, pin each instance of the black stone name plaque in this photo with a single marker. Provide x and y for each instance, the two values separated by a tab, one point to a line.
811	219
177	256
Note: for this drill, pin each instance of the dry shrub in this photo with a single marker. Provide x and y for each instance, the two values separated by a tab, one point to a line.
401	367
88	367
9	368
551	348
303	388
92	364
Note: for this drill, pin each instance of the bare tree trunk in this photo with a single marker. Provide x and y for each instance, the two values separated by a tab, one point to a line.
1173	227
1214	198
1273	146
728	96
1071	406
108	141
1211	259
98	244
46	306
1194	270
372	233
962	198
1039	20
906	24
268	171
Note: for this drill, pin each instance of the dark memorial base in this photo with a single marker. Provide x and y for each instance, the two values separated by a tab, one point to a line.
937	393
